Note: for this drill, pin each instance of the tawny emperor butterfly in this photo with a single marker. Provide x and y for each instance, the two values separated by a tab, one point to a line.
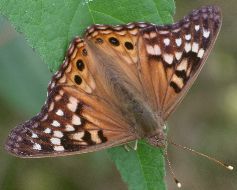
118	84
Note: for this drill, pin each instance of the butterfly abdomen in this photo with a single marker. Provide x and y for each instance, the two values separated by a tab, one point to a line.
136	111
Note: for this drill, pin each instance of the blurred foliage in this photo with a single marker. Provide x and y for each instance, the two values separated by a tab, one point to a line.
206	120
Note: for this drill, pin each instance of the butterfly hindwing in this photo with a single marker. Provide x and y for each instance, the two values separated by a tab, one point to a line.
172	56
68	124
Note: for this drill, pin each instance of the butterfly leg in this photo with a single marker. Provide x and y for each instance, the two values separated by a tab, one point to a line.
126	147
135	145
130	146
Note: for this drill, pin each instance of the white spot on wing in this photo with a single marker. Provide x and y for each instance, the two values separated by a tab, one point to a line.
166	41
146	35
51	106
150	50
58	134
168	58
133	32
52	85
178	81
102	27
187	47
47	130
142	24
45	117
200	53
78	136
195	47
69	128
183	65
55	123
88	89
178	55
69	68
76	120
176	30
72	107
60	112
122	33
34	135
163	32
95	137
206	33
178	42
153	35
58	97
197	27
130	25
55	141
37	146
58	148
58	75
157	49
188	36
63	79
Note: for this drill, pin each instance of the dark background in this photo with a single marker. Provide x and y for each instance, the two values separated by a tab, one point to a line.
206	120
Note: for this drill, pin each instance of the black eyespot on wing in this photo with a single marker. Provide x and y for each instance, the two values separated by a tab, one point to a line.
99	41
129	45
77	79
114	41
84	52
80	65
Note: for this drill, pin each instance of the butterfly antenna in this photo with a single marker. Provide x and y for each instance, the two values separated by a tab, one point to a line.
171	170
229	167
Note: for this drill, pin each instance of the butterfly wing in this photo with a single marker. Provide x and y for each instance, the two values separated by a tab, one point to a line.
74	119
172	56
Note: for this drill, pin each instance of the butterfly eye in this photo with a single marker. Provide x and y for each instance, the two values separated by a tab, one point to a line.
114	41
128	45
77	79
80	65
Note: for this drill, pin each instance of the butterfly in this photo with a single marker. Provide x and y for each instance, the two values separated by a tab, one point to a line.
118	84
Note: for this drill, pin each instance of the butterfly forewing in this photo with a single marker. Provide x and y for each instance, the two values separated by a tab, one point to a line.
118	84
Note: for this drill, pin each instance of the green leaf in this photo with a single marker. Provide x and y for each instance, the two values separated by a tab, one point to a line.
49	26
142	169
